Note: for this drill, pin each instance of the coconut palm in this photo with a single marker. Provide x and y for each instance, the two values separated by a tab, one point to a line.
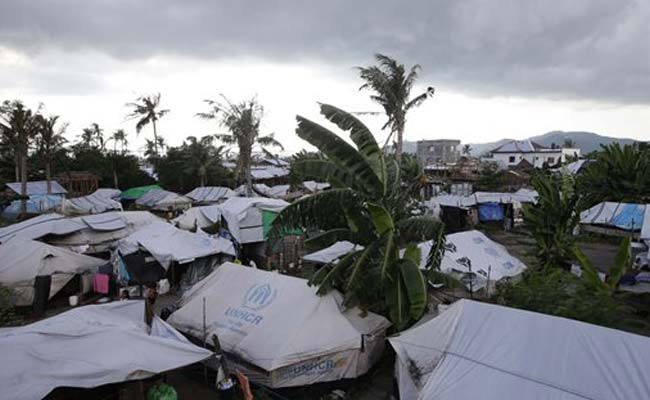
392	87
20	126
383	273
200	155
118	137
146	109
243	121
92	138
49	141
467	149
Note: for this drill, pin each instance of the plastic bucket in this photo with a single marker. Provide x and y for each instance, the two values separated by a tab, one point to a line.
73	301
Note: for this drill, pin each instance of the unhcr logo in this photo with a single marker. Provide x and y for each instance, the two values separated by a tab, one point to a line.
259	296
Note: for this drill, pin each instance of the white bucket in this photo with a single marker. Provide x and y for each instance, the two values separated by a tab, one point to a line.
73	301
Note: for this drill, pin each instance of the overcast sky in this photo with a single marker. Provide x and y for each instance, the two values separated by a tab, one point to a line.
502	68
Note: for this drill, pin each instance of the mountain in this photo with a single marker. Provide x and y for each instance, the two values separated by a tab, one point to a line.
585	141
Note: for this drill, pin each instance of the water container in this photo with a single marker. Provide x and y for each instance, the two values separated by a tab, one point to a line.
73	301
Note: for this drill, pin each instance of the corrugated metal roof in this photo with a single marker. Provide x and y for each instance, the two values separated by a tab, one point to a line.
520	146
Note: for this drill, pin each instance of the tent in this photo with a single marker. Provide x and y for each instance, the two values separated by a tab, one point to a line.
645	230
315	187
244	216
473	251
38	188
278	329
137	192
200	217
625	216
168	244
332	253
42	225
162	200
36	204
488	212
483	351
100	201
23	260
210	194
88	347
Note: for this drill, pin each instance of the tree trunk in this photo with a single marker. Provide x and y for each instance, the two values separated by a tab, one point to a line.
398	148
249	178
23	184
17	164
155	137
48	175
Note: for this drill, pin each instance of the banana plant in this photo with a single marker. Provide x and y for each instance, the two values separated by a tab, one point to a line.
616	272
364	206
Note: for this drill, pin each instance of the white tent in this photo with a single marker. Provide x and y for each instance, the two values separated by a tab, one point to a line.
163	200
278	323
331	253
483	351
88	347
520	197
210	194
98	202
200	217
645	230
473	250
43	225
23	260
314	186
244	216
168	244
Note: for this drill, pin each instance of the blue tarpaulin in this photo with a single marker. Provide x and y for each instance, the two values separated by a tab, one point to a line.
37	204
490	212
630	217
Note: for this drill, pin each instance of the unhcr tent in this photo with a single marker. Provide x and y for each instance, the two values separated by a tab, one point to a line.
278	330
98	202
483	351
210	194
88	347
23	260
162	200
137	192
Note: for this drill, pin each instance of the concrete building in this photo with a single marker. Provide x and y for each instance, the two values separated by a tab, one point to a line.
440	151
515	152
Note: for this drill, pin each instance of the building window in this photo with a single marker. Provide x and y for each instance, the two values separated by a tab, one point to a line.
511	159
551	160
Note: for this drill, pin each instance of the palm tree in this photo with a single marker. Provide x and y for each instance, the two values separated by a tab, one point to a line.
49	141
20	126
200	154
93	137
383	273
392	86
467	149
243	121
118	137
146	109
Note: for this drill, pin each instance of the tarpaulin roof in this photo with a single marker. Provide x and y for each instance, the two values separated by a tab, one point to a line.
137	192
521	196
484	351
23	260
167	243
43	225
627	216
160	199
98	202
88	347
314	186
211	194
272	320
36	204
259	173
199	217
244	216
645	230
331	253
37	187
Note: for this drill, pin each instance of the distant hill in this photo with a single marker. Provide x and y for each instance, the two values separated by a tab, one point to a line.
585	141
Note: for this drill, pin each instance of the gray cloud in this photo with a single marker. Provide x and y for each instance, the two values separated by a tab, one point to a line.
582	49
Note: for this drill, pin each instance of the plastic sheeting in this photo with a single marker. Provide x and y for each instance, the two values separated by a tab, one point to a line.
38	188
521	196
489	212
645	230
244	216
332	253
314	186
210	194
23	260
36	204
483	351
88	347
626	216
163	200
167	243
137	192
43	225
98	202
279	323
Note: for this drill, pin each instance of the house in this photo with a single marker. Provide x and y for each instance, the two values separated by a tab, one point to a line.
441	151
516	152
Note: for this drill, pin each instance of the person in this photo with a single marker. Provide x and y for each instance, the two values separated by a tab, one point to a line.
226	388
245	385
151	293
